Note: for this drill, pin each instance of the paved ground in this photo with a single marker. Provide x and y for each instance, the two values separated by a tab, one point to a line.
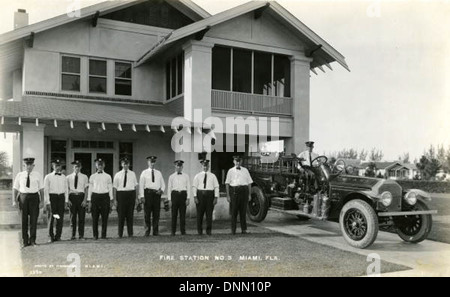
295	248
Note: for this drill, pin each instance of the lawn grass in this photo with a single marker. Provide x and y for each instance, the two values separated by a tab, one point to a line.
140	256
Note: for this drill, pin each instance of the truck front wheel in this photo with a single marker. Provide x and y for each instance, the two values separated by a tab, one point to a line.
359	223
414	229
258	205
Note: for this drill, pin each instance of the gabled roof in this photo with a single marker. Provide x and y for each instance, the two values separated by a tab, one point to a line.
87	12
325	55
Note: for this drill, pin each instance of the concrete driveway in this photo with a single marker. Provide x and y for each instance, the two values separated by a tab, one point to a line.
428	258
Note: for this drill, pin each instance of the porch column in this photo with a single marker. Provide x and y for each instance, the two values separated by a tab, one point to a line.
33	145
197	78
300	92
197	96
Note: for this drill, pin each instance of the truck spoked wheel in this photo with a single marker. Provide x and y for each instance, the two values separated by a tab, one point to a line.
258	205
416	228
359	223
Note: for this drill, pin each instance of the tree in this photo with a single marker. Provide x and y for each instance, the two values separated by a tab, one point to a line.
371	170
347	154
4	168
428	167
404	158
363	154
376	155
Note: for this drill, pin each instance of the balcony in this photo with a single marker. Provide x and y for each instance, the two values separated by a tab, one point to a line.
243	102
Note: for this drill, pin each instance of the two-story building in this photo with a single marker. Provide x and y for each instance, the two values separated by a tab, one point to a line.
109	81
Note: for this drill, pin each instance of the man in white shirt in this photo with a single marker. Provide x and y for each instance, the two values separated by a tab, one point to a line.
178	191
238	184
125	185
206	192
78	185
56	194
29	197
307	160
100	197
151	187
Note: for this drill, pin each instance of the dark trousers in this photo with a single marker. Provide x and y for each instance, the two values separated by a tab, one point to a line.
77	213
100	205
238	205
57	205
29	206
205	206
152	208
126	201
179	206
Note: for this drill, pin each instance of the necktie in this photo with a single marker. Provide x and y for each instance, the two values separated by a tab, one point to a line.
28	180
179	173
76	181
204	180
238	168
100	172
153	175
58	174
125	179
310	161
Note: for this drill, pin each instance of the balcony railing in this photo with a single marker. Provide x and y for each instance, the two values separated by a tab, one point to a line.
232	101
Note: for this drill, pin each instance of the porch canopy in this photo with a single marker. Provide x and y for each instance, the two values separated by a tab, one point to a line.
89	114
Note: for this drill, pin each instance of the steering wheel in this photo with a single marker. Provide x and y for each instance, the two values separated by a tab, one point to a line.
339	166
319	161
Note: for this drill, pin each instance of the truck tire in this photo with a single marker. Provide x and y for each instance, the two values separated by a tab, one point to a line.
359	223
414	229
258	205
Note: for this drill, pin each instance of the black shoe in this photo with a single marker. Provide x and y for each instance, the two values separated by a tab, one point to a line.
81	238
104	237
33	244
24	245
57	239
147	234
155	233
233	232
183	233
120	236
95	237
173	234
208	233
73	238
245	232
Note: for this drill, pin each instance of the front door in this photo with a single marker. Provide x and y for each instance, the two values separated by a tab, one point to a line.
87	160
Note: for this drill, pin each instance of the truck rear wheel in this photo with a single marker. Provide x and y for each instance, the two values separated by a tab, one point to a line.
258	205
359	223
414	229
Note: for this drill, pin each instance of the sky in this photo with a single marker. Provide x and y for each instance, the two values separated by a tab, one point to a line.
396	97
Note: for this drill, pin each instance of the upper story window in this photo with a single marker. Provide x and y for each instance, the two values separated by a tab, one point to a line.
97	76
70	74
123	79
253	72
174	76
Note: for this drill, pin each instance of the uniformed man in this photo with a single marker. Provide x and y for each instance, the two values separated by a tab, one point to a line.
238	185
78	186
29	197
151	187
206	192
178	192
307	158
56	197
125	184
100	197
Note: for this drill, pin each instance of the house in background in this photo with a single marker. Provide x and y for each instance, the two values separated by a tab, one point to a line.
391	170
109	83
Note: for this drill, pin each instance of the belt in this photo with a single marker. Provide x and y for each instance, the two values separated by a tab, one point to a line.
61	194
29	193
199	190
126	191
182	191
150	190
239	186
79	193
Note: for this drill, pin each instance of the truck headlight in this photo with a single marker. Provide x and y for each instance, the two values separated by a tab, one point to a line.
411	198
386	198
